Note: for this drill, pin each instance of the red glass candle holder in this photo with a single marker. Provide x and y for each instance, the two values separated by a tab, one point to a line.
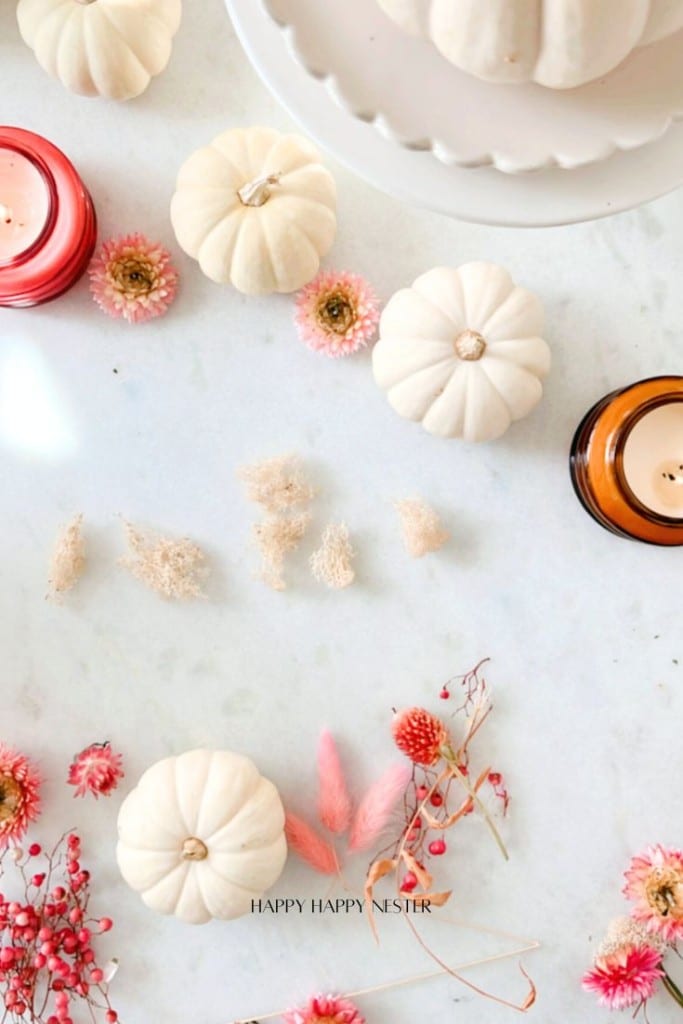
57	253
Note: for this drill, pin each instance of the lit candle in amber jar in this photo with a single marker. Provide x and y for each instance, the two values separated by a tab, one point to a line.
48	226
627	461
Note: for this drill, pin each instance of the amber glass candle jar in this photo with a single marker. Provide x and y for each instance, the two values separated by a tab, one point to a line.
48	226
627	461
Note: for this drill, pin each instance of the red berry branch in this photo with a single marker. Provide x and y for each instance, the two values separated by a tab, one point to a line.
48	965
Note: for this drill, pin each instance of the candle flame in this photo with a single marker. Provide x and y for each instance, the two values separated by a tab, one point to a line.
5	213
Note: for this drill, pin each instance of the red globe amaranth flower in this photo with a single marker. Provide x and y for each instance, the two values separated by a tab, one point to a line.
96	770
419	735
625	978
19	795
326	1010
654	883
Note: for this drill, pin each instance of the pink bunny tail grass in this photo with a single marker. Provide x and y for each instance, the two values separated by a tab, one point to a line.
305	842
334	802
376	807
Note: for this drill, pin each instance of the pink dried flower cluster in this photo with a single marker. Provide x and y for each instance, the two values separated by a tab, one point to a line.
133	278
19	795
337	313
47	962
97	770
325	1010
437	765
630	963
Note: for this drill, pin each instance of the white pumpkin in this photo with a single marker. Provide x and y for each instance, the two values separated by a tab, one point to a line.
257	209
557	43
461	351
202	835
110	48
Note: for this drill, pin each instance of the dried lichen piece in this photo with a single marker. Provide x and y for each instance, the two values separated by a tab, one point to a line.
275	537
331	563
174	568
422	529
278	484
68	559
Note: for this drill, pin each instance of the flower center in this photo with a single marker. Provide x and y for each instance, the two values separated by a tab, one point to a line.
337	313
10	797
133	276
470	346
663	893
194	849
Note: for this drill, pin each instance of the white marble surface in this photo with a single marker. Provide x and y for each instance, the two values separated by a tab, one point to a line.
583	628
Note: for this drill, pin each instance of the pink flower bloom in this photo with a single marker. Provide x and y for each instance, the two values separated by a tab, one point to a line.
337	313
654	884
325	1010
19	795
133	278
96	770
420	735
625	978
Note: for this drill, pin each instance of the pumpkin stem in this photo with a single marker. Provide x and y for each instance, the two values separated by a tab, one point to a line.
194	849
470	346
257	192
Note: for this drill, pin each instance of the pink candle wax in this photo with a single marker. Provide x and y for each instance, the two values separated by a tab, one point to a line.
48	225
24	204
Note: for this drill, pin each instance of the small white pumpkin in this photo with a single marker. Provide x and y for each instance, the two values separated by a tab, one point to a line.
557	43
257	209
202	835
461	351
110	48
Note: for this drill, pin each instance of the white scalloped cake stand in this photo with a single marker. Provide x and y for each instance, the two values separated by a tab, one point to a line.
483	196
418	99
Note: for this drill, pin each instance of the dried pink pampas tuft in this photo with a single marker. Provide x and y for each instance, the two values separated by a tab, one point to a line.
422	529
68	559
174	568
275	537
334	802
278	484
306	842
376	807
331	563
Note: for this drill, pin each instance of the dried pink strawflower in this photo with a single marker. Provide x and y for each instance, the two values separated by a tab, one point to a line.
337	313
97	770
326	1010
654	883
133	278
627	977
420	735
19	795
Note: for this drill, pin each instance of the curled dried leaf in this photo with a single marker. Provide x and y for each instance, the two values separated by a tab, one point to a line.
378	869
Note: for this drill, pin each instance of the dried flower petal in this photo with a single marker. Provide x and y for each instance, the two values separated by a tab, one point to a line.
275	537
68	559
133	278
337	313
97	770
19	795
420	735
331	563
174	568
654	883
421	526
278	484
